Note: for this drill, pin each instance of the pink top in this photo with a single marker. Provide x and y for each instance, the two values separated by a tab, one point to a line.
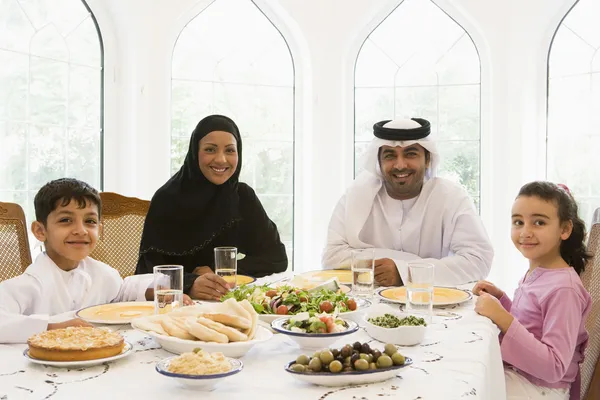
546	340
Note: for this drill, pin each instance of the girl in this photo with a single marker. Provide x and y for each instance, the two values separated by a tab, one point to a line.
543	336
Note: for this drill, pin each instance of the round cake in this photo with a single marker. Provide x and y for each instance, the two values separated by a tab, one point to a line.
75	344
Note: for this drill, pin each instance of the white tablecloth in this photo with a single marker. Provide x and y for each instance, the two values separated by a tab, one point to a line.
459	358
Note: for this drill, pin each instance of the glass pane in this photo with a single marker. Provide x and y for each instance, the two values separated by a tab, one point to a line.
261	112
82	156
280	210
371	105
374	68
583	21
84	97
48	91
14	69
64	14
13	162
179	148
359	150
459	113
460	164
15	29
269	167
84	45
569	55
50	44
47	147
249	49
460	64
190	102
418	102
568	97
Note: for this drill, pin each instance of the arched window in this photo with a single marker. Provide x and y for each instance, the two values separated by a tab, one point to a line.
231	60
573	134
50	97
420	63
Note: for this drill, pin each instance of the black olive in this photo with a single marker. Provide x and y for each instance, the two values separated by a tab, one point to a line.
335	352
347	351
357	346
365	348
353	358
376	355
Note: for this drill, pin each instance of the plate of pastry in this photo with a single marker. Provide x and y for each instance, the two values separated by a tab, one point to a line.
116	313
76	347
442	296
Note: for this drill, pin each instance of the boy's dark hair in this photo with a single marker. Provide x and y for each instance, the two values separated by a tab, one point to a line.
62	192
573	249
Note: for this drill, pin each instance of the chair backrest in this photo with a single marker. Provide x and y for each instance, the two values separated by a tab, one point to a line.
15	255
591	281
123	222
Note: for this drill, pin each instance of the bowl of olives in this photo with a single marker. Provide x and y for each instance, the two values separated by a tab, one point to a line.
353	364
389	326
314	332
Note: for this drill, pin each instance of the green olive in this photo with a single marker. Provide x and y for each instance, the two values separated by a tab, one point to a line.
364	356
335	366
326	357
370	358
372	366
315	364
361	364
384	361
317	354
390	349
298	368
398	359
303	359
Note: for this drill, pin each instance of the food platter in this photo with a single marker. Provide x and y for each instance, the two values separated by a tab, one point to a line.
116	313
442	296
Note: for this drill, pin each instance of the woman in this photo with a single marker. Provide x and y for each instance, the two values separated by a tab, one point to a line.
203	206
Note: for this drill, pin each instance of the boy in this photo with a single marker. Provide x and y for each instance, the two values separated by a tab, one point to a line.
63	278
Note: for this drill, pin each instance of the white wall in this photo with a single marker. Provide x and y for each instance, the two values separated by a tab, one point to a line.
512	37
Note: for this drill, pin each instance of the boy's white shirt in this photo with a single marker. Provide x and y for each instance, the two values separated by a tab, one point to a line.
43	290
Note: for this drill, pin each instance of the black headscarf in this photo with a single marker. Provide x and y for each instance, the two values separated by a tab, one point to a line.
188	211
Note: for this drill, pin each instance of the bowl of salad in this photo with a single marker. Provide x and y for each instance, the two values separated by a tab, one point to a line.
314	331
273	303
390	326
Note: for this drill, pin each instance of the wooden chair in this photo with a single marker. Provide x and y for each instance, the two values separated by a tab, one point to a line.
15	256
590	380
123	222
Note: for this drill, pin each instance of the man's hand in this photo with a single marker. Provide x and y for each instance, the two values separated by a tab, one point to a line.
66	324
487	287
386	273
209	287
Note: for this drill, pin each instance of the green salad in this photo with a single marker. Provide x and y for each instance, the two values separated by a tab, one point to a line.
290	300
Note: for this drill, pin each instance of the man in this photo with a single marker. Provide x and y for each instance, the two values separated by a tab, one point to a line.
398	206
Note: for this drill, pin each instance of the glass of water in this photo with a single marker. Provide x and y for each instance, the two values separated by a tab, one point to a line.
226	264
168	288
363	269
419	289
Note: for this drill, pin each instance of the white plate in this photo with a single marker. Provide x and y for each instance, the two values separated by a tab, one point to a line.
450	296
125	311
361	306
232	349
127	350
348	378
314	341
199	382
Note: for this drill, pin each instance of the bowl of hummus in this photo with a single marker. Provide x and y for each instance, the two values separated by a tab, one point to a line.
199	369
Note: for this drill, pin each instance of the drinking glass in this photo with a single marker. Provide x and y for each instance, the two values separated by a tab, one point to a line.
363	270
419	289
226	264
168	288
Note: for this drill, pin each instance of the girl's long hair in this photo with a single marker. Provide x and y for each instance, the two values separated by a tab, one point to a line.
573	249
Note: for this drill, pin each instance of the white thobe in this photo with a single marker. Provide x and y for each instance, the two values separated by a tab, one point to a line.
28	301
439	226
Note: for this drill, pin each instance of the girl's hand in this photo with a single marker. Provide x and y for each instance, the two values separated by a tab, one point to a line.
490	307
187	300
487	287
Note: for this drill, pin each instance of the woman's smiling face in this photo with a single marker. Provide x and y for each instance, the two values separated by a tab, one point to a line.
218	156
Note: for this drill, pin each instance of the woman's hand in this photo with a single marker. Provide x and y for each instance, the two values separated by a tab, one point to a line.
487	287
209	287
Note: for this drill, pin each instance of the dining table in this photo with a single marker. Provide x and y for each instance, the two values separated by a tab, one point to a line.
459	358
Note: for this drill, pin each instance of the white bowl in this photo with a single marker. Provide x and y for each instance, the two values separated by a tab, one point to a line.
232	349
313	340
199	382
347	378
361	306
402	335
